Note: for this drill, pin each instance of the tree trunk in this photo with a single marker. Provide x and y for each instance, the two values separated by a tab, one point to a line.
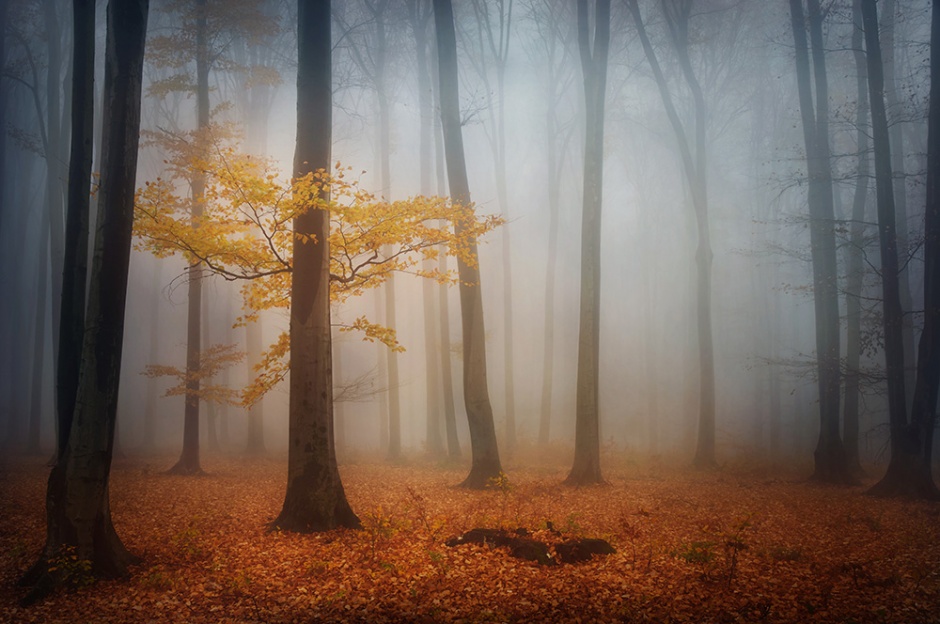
830	454
75	268
433	443
39	348
587	450
77	508
315	499
188	463
255	445
909	470
899	183
854	262
484	450
443	301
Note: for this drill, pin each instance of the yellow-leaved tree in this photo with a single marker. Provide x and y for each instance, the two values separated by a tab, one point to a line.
245	231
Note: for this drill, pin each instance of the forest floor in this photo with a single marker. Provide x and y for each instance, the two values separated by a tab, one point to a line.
723	546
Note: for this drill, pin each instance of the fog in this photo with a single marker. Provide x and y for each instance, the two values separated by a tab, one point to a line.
762	306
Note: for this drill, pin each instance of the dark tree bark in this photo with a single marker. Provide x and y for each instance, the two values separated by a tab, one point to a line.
78	514
854	262
894	112
315	499
188	463
4	219
830	454
39	341
484	450
909	470
586	468
75	268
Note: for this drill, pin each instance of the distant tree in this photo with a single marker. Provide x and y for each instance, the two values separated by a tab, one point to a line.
484	449
909	470
854	262
491	53
551	50
198	46
830	454
587	452
694	154
78	515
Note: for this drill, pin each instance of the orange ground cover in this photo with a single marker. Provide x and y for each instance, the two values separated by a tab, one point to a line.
716	547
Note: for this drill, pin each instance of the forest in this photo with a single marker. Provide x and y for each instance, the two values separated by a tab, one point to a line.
469	310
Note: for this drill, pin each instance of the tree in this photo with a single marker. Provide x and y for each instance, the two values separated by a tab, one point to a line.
909	470
854	262
78	515
496	46
830	454
587	452
202	38
677	14
75	268
484	450
315	499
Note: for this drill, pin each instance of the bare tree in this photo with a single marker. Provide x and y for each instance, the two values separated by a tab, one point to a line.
586	468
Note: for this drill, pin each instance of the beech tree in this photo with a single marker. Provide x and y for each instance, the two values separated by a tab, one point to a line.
587	451
315	499
78	515
909	470
483	447
830	454
693	150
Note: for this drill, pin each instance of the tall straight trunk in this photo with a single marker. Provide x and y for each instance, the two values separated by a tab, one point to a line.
694	165
315	499
586	468
77	506
443	300
899	187
854	262
484	450
419	14
149	439
339	406
4	96
55	151
909	470
75	267
39	342
830	454
188	462
255	444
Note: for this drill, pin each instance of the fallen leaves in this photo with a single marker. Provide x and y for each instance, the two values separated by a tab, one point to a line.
690	547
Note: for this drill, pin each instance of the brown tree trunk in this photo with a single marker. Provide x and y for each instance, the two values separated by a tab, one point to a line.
586	468
909	470
77	509
188	463
484	450
315	499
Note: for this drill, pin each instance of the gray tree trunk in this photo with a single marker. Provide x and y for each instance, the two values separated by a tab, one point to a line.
586	468
315	499
484	450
